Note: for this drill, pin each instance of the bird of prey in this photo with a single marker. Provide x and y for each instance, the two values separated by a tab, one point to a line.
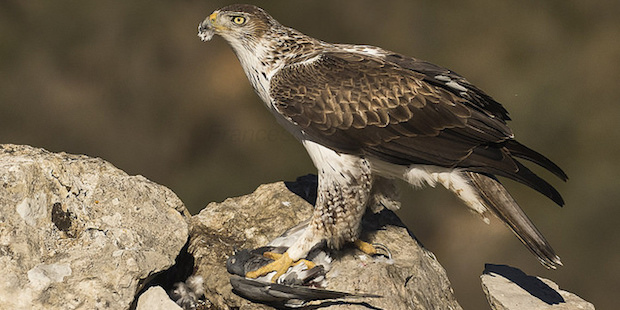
368	116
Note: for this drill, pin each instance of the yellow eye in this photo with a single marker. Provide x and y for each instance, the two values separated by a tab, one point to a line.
239	20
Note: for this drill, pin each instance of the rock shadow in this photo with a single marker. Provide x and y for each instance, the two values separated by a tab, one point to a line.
533	285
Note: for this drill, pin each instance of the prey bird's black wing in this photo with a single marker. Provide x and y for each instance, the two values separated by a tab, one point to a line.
404	111
286	295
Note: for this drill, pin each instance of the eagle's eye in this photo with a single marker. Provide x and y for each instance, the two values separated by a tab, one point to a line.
239	20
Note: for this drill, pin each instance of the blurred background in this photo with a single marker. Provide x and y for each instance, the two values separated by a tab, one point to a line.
129	81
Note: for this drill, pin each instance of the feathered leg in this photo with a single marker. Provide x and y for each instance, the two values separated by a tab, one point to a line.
344	189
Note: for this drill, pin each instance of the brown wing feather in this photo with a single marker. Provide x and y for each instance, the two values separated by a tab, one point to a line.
433	73
361	104
366	105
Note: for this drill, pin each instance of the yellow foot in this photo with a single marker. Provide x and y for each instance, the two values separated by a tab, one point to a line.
365	247
281	263
371	249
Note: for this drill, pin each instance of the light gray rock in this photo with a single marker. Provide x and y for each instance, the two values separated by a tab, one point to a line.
155	298
76	232
509	288
413	280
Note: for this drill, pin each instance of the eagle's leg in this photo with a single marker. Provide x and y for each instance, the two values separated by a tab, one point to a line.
384	195
345	183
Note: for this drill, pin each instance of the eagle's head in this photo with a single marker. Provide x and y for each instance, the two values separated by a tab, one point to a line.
262	45
239	24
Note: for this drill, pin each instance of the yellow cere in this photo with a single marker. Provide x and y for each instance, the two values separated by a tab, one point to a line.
212	17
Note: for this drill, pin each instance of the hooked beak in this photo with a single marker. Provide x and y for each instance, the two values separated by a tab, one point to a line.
206	28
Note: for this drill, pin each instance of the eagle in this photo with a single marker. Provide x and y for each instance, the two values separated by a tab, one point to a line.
368	117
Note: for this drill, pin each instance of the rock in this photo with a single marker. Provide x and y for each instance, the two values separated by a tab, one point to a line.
509	288
412	280
76	232
155	298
